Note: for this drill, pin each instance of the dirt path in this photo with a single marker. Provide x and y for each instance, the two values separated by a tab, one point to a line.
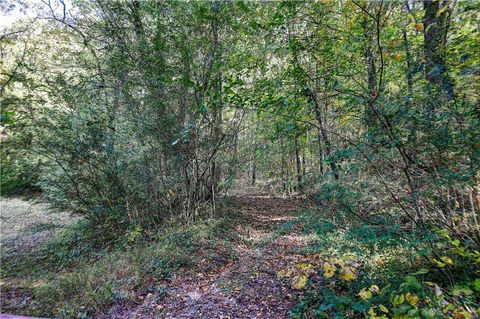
246	287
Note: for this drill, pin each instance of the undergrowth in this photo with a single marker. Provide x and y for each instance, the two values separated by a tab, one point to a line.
74	276
381	270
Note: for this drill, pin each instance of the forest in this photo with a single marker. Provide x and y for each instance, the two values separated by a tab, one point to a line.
240	159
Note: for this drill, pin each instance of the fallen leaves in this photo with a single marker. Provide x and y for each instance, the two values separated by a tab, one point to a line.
299	273
300	282
329	270
348	274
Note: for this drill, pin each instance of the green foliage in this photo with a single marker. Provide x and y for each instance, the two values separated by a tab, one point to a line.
19	170
93	278
136	115
388	280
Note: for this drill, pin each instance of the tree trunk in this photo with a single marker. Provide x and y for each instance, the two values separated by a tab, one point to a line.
298	165
408	53
323	132
320	151
254	173
283	166
369	115
436	23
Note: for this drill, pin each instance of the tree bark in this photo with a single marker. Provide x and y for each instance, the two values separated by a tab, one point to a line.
436	24
298	165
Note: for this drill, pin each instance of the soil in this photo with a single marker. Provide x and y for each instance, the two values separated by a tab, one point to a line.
245	287
242	284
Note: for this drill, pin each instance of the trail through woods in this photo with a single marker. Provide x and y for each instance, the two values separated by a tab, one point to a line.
135	116
246	287
241	283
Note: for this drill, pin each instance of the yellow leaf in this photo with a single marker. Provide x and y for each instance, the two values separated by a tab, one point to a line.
438	263
374	289
419	26
300	282
383	308
398	299
348	274
447	260
373	315
284	273
329	270
441	10
412	299
304	266
339	262
466	314
365	294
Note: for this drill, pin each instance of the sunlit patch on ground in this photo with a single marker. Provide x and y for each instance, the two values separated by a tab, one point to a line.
243	287
26	224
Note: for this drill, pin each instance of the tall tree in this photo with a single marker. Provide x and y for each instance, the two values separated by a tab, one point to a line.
436	24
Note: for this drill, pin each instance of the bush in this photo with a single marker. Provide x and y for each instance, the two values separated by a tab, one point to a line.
18	169
75	276
359	271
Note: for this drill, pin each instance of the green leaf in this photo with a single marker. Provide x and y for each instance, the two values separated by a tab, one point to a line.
476	284
421	272
461	291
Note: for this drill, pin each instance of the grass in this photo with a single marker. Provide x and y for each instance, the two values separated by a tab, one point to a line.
71	277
